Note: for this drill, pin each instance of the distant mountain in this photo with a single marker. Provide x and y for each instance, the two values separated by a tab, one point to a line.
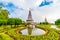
45	3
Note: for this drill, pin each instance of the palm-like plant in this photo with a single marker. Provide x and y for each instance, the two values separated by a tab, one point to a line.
3	13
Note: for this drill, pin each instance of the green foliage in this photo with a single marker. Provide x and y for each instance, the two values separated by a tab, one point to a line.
14	21
52	35
8	33
18	21
58	26
57	22
3	22
3	16
11	21
44	23
3	13
5	37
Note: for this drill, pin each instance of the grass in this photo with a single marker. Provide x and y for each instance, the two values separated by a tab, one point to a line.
11	34
58	26
5	37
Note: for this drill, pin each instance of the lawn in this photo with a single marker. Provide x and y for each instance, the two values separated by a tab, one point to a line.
8	33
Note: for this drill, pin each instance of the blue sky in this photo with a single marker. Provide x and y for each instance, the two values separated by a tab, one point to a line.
40	9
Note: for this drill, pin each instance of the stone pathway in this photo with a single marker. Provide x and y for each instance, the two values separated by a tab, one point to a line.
55	27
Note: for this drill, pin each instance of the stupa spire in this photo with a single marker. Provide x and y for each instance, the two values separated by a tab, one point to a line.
45	19
30	16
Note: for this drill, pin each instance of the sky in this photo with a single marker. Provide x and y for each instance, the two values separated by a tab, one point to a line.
39	8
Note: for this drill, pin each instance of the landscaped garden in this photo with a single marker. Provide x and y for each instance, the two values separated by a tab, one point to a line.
10	29
9	33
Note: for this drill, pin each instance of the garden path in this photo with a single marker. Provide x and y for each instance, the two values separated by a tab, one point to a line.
55	27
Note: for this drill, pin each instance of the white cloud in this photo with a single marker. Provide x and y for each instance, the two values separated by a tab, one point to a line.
52	12
25	3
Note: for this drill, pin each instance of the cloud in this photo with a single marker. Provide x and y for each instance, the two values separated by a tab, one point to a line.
45	3
25	3
9	6
51	9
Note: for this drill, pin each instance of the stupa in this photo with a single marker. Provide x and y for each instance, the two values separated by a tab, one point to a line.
30	27
30	22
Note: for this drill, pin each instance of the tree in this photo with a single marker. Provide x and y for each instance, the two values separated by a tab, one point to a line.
17	22
11	21
3	22
14	21
3	13
57	22
44	23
